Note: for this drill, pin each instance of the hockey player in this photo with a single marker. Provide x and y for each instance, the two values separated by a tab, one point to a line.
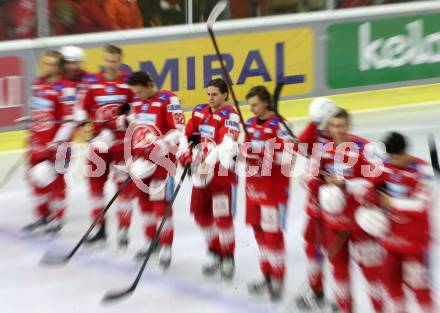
158	124
107	99
342	166
52	103
314	134
267	191
212	199
72	70
405	192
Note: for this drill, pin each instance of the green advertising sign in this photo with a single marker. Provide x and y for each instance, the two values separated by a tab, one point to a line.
383	51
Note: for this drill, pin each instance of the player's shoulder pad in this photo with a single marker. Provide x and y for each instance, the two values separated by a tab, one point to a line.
359	142
124	77
226	111
200	107
274	122
417	163
171	100
163	96
60	85
91	78
250	121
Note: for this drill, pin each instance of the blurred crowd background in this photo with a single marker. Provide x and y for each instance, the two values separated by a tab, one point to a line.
20	19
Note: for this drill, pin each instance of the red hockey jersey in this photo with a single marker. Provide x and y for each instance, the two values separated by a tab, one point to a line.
50	101
266	179
311	136
212	127
411	195
154	118
347	164
103	100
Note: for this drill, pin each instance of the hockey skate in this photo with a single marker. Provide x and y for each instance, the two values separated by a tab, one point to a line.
227	268
54	227
335	308
142	253
165	258
123	239
36	226
276	289
98	238
259	287
310	300
213	266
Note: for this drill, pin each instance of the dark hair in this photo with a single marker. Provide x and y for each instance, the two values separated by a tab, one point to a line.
262	93
140	79
55	54
342	113
112	49
395	143
221	85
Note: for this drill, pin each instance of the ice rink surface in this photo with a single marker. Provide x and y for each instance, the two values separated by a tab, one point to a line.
26	287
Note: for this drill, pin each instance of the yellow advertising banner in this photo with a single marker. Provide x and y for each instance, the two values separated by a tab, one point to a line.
186	66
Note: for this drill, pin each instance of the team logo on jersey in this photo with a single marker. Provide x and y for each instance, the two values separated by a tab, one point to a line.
110	89
145	107
40	115
107	112
257	134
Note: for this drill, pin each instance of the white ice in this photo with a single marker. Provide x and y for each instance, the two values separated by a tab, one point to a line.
78	287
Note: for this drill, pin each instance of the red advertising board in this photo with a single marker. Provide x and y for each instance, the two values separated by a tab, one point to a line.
12	90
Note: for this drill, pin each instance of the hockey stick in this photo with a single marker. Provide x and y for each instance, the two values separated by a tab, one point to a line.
342	236
50	259
433	154
26	119
116	295
13	169
215	13
275	104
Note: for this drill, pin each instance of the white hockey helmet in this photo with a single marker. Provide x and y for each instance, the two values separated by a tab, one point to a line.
73	53
331	199
373	221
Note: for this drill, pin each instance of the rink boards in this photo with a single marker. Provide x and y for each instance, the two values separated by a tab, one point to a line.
296	109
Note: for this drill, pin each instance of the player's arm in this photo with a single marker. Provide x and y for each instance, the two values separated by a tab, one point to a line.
284	143
190	135
227	142
66	102
172	113
420	199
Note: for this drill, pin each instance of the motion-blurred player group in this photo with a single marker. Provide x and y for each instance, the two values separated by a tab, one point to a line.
362	205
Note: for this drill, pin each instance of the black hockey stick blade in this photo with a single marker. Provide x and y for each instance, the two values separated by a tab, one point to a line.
434	154
61	260
116	295
215	13
52	259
